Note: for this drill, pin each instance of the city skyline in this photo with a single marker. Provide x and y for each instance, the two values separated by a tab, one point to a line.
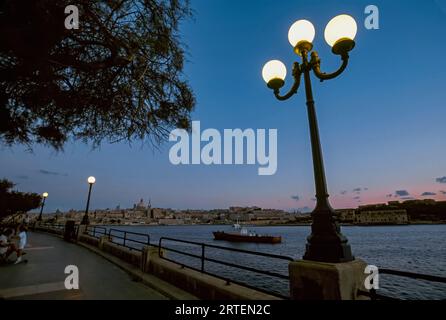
381	123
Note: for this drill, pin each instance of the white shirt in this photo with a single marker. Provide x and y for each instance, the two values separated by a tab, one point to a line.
22	241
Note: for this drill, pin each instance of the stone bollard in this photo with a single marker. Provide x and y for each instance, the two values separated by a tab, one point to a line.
101	242
80	231
149	253
69	232
313	280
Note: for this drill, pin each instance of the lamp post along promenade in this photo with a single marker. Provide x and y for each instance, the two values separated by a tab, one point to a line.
326	242
91	181
328	269
44	196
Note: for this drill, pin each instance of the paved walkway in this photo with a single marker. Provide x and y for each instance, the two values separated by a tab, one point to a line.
43	276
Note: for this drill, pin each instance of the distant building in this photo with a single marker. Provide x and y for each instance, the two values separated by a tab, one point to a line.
346	215
416	201
141	205
168	222
157	213
365	215
372	206
398	216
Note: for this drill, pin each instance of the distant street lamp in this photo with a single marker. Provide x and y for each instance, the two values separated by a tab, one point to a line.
44	196
91	181
326	242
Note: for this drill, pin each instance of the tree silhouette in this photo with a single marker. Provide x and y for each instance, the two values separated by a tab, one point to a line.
13	202
117	77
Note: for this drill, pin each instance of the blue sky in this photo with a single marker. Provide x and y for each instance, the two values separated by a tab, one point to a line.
382	123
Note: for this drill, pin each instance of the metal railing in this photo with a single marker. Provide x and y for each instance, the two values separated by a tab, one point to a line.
372	294
128	237
203	258
96	231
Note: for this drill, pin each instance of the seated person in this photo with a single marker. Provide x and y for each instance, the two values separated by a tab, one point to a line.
6	247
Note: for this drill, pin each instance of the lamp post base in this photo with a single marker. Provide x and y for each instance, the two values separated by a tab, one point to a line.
311	280
326	242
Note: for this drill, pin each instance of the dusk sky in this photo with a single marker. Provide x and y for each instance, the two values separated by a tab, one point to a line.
382	122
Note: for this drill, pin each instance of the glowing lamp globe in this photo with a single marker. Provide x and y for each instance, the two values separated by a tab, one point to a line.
274	73
340	33
91	180
301	35
45	195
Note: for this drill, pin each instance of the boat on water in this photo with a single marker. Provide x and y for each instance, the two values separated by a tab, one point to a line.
245	236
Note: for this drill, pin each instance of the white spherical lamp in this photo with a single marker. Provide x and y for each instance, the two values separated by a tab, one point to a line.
274	73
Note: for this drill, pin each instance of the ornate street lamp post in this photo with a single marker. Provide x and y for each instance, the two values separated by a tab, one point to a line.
44	196
326	242
91	182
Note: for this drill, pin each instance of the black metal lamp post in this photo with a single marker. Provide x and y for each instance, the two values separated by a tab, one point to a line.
44	196
326	242
91	182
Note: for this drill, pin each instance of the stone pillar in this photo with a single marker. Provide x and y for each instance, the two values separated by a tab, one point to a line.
149	253
312	280
101	242
80	231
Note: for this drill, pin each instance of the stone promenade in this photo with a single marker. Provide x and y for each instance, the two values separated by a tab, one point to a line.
43	276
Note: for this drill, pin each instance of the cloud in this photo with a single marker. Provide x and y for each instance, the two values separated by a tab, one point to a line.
366	189
401	193
313	199
357	198
343	192
408	198
296	198
389	195
442	192
357	190
441	180
427	193
52	173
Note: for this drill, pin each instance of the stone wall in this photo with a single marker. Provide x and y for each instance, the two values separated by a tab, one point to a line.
199	284
131	256
89	240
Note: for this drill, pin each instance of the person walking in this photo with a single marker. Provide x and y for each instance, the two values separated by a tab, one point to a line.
23	238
